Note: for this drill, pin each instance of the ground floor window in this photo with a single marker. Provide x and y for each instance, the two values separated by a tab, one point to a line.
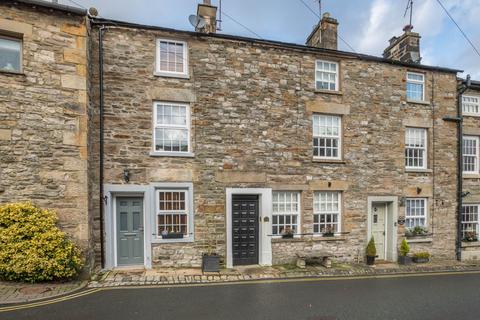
286	212
326	212
172	212
470	222
415	213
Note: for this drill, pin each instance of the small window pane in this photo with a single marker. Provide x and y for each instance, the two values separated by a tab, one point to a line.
10	54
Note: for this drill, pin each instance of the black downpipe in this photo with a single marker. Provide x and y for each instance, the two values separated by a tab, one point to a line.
458	243
100	62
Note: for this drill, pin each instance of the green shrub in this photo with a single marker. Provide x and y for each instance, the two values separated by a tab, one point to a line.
404	248
422	255
371	249
32	248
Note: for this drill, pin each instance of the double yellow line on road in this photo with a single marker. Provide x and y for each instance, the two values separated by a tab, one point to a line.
246	282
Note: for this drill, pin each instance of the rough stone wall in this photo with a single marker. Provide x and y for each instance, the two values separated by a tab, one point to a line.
43	117
251	127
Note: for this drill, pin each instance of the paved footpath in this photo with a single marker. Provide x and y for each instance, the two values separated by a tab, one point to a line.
18	292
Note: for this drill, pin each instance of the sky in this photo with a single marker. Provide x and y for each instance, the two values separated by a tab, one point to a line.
366	25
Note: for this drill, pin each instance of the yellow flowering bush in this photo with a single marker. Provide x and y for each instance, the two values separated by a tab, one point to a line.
32	248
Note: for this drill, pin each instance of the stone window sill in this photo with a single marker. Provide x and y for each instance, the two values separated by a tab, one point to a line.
339	93
314	238
474	115
472	244
171	75
419	170
420	239
13	73
184	240
426	103
471	176
172	154
329	161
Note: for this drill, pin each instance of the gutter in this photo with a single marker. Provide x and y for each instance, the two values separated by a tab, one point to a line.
102	147
459	120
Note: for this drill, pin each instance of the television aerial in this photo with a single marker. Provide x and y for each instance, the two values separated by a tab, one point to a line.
196	21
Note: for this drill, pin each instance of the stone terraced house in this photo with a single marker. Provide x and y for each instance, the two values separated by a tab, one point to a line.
159	145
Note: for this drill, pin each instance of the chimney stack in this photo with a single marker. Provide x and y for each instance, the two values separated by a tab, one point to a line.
324	35
208	12
405	48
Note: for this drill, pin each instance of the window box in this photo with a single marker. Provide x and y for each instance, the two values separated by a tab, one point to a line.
287	236
173	235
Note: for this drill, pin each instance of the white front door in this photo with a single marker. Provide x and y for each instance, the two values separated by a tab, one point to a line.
378	228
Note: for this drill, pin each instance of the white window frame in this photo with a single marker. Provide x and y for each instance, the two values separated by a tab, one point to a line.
472	103
424	148
337	75
154	152
425	215
319	212
339	137
19	40
188	210
477	154
471	222
290	213
416	82
159	72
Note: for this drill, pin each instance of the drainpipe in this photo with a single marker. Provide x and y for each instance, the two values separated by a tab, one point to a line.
459	120
101	155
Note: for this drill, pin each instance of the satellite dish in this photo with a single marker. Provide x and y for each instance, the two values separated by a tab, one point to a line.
196	21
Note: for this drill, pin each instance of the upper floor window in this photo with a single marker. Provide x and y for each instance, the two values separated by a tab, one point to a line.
171	131
327	131
326	75
286	212
326	212
415	86
470	154
10	54
415	212
416	148
471	105
172	58
470	226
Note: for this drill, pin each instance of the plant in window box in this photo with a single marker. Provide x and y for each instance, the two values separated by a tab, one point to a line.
421	257
416	231
328	232
470	236
171	235
403	257
371	252
288	233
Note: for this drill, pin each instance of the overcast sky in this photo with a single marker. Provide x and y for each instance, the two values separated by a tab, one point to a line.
366	25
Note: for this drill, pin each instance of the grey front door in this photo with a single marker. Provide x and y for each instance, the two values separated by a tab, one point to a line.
245	229
129	231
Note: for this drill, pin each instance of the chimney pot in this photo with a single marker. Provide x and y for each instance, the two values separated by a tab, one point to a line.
207	2
208	12
405	48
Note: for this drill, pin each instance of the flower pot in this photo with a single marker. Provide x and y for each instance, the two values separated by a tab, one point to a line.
210	263
287	236
172	235
420	260
404	260
370	260
328	234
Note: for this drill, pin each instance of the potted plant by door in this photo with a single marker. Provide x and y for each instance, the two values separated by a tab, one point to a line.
371	252
288	233
403	257
421	257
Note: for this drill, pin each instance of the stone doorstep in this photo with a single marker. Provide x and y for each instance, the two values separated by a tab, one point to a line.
174	276
15	292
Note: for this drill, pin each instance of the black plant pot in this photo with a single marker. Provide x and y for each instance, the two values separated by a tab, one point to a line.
370	260
173	235
404	260
210	263
287	236
328	234
420	260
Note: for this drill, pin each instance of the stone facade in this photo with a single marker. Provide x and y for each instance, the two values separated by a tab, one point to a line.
43	115
471	182
251	127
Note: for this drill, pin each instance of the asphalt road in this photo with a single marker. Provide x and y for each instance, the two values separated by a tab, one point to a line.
426	297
